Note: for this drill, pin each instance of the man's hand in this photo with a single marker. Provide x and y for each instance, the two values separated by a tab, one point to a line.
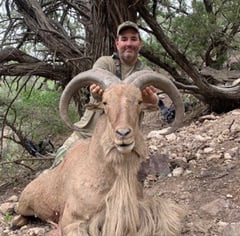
149	95
96	90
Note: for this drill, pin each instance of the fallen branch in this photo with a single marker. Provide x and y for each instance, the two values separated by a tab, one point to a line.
27	159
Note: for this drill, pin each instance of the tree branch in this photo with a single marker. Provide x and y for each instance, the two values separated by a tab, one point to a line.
53	72
207	90
14	54
49	32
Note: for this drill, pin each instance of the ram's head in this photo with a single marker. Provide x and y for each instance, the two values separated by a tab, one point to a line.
122	102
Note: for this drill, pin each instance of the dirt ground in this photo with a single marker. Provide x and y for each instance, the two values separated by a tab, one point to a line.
198	167
207	154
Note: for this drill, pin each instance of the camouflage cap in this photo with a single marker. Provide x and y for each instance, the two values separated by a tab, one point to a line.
127	24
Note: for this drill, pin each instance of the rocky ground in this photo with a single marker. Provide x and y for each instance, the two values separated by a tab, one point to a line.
198	167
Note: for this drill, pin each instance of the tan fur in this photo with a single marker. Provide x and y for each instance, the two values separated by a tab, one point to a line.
94	191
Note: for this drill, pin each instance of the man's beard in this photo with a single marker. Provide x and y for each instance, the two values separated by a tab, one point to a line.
128	57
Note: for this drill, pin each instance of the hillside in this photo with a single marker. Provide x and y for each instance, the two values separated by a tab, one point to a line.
198	167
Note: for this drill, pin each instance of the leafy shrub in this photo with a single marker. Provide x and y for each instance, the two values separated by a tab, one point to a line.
36	113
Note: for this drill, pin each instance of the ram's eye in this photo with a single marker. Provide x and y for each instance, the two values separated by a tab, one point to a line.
104	103
140	102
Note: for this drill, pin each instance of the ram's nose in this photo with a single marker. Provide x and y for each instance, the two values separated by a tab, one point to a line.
124	140
123	132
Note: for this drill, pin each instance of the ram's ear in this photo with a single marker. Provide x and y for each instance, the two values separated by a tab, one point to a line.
94	106
149	107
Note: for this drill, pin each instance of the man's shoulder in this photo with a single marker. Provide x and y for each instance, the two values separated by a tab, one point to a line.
106	63
104	59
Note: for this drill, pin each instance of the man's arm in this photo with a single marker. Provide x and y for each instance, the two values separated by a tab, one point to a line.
105	63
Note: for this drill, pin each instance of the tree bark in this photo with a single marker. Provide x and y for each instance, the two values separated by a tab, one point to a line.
64	57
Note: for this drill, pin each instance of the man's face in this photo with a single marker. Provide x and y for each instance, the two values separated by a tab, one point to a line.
128	45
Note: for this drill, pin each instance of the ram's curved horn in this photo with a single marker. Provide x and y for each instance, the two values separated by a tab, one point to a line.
100	77
145	78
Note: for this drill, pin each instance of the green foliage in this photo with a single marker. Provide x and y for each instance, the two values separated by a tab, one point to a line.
194	29
8	217
195	32
37	113
42	99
